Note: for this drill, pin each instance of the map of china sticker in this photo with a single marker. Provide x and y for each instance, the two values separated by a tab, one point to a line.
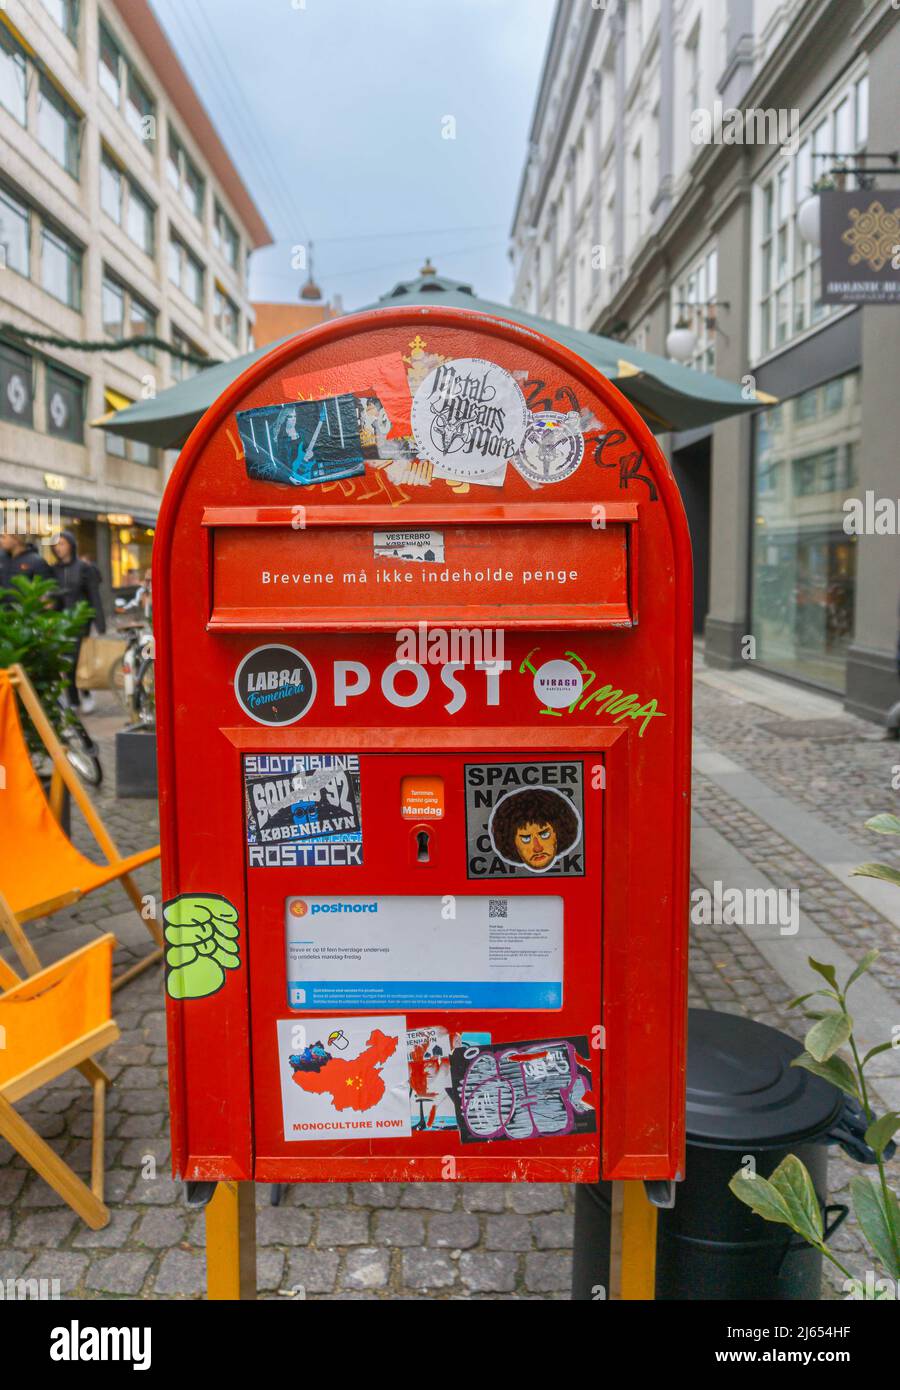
344	1078
469	418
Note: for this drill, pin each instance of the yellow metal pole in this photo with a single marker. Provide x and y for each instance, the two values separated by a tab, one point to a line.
231	1242
633	1243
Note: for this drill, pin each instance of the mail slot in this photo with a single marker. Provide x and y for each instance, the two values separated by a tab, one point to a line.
423	593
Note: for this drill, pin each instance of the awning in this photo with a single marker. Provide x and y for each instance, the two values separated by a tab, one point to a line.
667	395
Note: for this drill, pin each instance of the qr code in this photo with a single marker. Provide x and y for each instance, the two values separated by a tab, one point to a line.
497	907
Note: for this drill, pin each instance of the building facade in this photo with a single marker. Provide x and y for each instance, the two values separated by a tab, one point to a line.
121	215
672	146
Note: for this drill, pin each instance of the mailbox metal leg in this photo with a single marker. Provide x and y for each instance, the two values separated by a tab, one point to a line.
633	1244
231	1242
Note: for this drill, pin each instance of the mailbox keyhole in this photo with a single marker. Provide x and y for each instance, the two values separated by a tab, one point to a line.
423	851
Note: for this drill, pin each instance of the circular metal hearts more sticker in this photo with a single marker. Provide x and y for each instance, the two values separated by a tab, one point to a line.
469	418
553	447
275	684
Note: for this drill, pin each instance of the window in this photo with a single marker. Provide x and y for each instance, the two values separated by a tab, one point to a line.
140	108
788	270
692	60
185	271
141	219
121	448
113	305
65	13
803	563
112	187
109	63
142	323
180	369
58	128
16	386
227	315
225	237
15	235
65	405
13	79
61	268
694	300
125	89
184	175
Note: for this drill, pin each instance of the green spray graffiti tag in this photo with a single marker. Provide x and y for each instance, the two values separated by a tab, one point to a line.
202	934
605	698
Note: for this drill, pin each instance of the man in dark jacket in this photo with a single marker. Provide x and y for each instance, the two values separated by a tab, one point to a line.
77	579
19	556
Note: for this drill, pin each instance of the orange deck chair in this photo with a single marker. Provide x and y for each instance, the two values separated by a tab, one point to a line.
50	1023
41	871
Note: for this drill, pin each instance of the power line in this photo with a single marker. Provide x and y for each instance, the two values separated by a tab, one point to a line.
297	216
390	265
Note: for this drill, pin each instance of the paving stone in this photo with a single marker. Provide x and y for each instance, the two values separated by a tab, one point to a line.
161	1228
428	1269
283	1226
342	1227
488	1271
123	1273
181	1272
48	1228
64	1265
545	1273
399	1228
458	1230
366	1268
430	1196
509	1232
553	1232
376	1194
526	1198
313	1195
112	1237
269	1270
313	1271
484	1196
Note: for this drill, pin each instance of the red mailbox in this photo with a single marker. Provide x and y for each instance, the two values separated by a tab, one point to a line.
423	608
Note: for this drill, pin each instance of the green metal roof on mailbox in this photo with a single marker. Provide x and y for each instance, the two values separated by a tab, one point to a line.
669	396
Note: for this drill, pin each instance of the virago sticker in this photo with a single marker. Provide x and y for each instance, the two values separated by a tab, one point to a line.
303	809
523	1090
275	684
469	418
524	819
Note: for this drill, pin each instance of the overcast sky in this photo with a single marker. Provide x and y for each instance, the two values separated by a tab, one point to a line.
333	112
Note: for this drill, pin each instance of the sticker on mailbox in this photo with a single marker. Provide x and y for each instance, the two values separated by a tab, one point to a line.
275	684
303	809
344	1078
523	1090
413	953
524	819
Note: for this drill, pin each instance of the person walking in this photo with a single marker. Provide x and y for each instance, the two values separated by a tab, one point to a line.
19	555
77	579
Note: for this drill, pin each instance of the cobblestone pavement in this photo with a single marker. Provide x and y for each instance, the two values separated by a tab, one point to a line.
418	1240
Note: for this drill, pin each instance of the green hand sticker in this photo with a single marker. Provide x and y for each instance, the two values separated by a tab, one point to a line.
203	942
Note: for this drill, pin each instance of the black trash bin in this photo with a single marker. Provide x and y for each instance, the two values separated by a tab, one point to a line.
744	1100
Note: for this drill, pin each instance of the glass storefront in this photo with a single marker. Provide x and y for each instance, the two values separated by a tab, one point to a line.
803	563
130	553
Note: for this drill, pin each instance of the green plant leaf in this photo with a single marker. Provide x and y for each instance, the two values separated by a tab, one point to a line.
881	1132
791	1178
871	1215
835	1070
831	1032
827	972
885	824
865	964
874	1051
759	1194
883	871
